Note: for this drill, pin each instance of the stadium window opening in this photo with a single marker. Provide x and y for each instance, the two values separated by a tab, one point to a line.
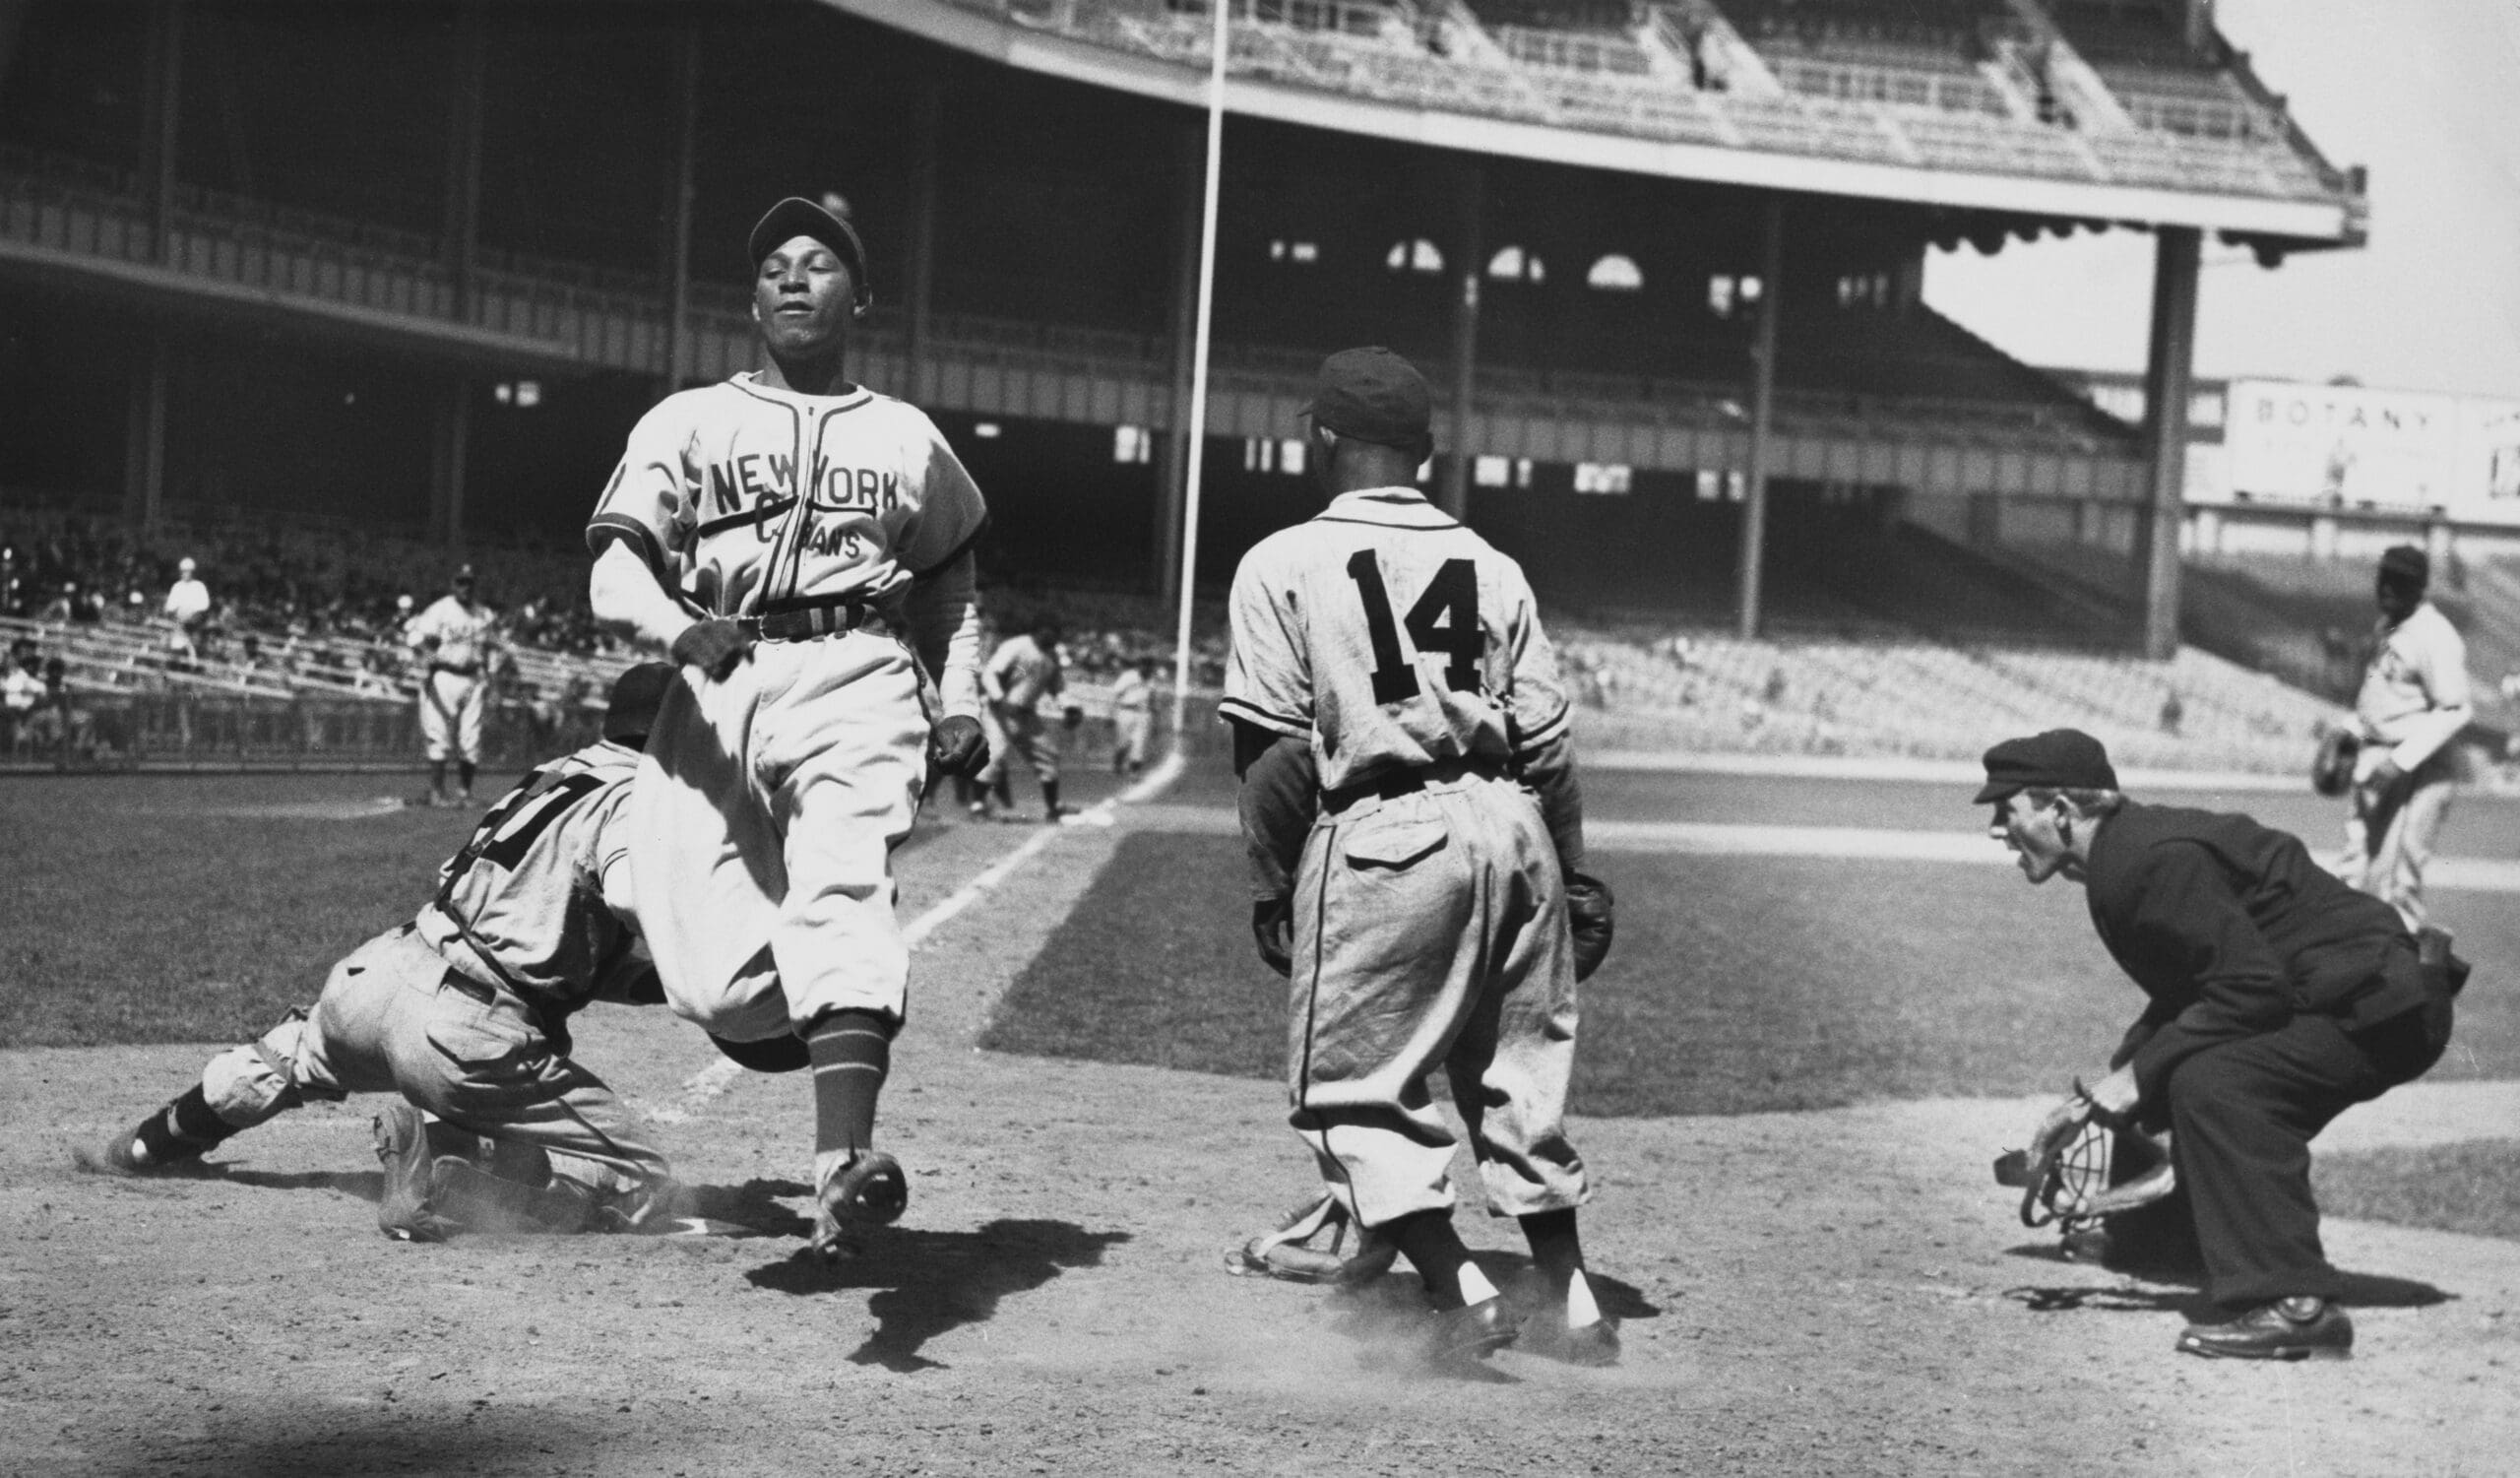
1132	444
1610	478
1515	265
1301	253
1420	255
1502	472
1267	454
1615	274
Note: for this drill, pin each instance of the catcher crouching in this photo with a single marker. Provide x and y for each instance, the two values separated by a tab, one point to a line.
2277	999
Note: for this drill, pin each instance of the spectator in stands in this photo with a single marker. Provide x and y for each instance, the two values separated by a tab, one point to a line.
2414	702
2173	713
187	605
21	690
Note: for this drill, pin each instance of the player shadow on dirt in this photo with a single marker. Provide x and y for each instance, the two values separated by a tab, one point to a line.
1387	1316
751	1209
285	1438
2171	1286
928	1282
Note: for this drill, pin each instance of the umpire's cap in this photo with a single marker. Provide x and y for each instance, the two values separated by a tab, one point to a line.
636	696
1372	395
2064	759
798	217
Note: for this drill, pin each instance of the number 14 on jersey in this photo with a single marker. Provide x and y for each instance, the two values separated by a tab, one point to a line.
1445	619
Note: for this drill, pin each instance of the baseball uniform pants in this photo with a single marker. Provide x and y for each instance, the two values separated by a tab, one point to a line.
763	822
451	706
1015	730
1431	932
1130	729
389	1023
2391	833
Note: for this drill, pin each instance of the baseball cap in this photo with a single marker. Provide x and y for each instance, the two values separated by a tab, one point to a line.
798	217
1372	395
463	574
2065	759
2406	562
636	696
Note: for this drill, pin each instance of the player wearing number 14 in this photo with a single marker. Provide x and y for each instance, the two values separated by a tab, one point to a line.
1410	802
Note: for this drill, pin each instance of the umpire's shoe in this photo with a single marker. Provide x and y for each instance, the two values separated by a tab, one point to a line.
403	1212
2297	1329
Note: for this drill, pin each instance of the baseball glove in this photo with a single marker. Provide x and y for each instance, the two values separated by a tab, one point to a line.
713	646
1272	930
2332	768
1589	914
958	746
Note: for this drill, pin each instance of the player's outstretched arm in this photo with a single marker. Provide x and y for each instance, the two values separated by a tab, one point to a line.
944	615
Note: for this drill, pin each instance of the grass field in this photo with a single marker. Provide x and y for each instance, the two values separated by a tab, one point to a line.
197	909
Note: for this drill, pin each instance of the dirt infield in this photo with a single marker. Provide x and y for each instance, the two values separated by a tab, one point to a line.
1840	1292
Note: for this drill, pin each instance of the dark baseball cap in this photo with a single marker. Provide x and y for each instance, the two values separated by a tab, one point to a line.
2064	759
1372	395
798	217
2405	562
636	696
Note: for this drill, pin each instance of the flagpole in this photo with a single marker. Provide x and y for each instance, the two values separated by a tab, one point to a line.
1217	48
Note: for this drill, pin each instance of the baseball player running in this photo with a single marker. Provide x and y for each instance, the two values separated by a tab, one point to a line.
1132	717
463	1011
1410	802
455	640
802	546
1022	671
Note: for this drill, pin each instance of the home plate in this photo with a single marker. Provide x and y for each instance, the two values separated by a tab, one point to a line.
700	1226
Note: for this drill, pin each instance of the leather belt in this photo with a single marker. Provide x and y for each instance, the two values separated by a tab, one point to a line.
459	669
1390	785
805	622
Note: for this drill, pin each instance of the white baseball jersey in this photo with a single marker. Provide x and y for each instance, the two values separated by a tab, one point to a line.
539	896
1019	673
462	632
745	499
1391	637
2414	695
1131	693
187	600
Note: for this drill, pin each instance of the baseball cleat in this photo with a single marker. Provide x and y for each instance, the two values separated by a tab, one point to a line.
119	1155
1473	1331
2297	1329
1595	1344
402	1212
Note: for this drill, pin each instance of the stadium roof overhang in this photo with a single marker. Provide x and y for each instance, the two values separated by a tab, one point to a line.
2281	225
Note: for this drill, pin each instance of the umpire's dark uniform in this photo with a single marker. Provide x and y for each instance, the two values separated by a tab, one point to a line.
2280	996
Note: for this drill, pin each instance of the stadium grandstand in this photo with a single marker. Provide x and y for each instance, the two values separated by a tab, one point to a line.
331	297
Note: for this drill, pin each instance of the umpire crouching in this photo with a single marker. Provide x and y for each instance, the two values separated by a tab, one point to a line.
2279	997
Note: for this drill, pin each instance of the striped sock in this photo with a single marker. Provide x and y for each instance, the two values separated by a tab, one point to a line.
852	1054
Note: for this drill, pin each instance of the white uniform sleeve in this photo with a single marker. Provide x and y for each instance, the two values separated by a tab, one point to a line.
1536	707
652	500
1268	672
993	677
2442	665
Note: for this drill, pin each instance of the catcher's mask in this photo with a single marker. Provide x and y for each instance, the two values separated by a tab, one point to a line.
2068	1182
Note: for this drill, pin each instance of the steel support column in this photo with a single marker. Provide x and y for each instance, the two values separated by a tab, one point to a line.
462	221
448	451
144	481
1754	504
920	289
1470	243
161	119
2166	386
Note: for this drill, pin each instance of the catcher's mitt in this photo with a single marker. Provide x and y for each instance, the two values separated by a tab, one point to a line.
2332	768
1590	915
2064	1175
1311	1246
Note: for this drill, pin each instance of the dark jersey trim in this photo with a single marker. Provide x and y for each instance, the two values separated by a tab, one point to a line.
1237	708
608	529
760	513
1449	522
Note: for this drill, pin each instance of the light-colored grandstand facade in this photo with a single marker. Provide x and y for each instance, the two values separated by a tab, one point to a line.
1792	130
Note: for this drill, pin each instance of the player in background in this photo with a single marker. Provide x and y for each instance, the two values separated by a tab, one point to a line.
2413	701
463	1011
1132	717
1410	802
1026	669
187	605
802	545
456	643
